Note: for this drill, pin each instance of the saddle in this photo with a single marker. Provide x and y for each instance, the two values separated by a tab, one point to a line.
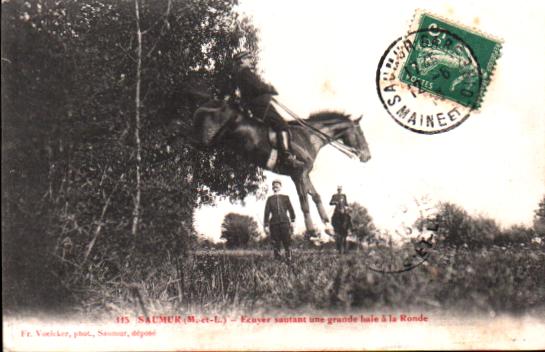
272	162
212	120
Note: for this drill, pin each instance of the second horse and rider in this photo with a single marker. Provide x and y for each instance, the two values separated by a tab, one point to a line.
341	220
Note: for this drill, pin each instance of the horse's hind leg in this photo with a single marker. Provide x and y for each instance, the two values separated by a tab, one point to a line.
303	200
316	198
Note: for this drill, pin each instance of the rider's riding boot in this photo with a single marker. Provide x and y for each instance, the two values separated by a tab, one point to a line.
285	153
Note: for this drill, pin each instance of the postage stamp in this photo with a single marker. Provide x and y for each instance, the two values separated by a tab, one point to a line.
431	79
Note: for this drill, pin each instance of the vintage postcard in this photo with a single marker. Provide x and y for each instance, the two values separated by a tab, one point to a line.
273	175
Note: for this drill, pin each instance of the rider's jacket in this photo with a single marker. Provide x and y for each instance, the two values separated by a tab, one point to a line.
276	210
338	200
253	91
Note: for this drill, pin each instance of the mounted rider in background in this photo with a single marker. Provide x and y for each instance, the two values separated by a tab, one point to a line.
256	97
339	200
341	220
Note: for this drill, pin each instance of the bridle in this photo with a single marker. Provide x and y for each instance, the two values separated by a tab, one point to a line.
348	150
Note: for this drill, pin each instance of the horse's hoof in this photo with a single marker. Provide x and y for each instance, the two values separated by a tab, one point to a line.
311	234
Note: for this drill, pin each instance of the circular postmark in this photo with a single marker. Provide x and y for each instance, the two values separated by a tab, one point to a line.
429	81
408	246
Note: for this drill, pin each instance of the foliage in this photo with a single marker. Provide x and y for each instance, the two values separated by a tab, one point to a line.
455	226
453	223
491	281
238	230
516	234
68	156
458	227
539	218
362	223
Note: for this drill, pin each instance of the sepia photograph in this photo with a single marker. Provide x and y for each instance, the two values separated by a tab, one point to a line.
244	175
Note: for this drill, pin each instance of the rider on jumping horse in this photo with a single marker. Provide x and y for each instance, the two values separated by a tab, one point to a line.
256	97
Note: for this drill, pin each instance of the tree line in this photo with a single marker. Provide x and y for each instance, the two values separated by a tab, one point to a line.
457	227
453	226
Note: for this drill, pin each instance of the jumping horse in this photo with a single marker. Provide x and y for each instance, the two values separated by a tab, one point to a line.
216	124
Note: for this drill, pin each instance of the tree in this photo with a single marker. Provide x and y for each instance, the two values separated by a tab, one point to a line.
457	227
238	230
362	223
79	161
539	218
514	235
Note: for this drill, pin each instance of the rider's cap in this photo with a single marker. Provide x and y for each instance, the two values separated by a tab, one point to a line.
241	55
277	181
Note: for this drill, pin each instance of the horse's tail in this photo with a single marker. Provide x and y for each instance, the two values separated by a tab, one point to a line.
207	123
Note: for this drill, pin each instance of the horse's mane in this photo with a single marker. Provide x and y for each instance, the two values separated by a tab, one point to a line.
327	115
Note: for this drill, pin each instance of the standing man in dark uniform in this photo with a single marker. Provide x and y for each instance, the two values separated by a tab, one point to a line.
276	221
256	96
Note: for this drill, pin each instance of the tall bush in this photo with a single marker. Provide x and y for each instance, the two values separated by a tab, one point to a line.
238	230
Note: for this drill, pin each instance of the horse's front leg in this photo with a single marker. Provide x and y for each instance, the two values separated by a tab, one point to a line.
303	200
338	242
316	198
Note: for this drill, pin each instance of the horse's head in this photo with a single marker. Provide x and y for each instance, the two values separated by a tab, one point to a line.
340	127
354	138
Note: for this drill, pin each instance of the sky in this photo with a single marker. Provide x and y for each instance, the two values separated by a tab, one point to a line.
323	55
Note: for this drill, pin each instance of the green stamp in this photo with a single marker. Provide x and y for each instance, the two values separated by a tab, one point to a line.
450	61
431	79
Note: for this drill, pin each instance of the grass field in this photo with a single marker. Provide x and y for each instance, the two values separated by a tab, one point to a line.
490	280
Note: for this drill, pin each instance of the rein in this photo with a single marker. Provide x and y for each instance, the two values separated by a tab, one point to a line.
349	151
